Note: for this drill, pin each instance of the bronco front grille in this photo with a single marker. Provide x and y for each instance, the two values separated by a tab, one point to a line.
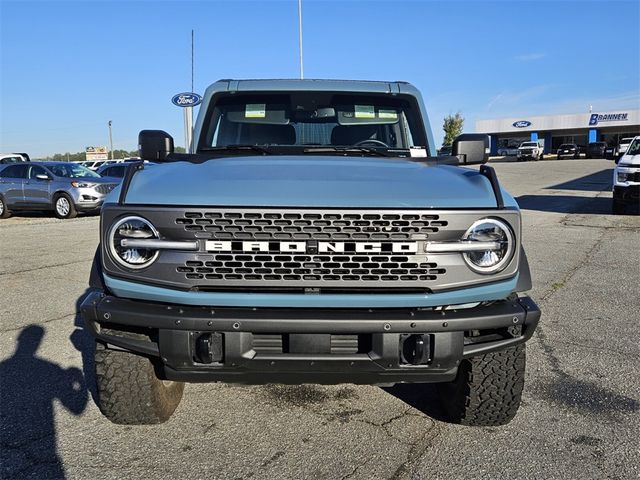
312	268
314	250
301	225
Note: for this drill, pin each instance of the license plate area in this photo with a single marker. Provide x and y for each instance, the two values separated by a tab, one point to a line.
310	343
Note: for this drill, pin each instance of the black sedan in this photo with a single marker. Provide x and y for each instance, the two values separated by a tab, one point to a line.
568	150
596	149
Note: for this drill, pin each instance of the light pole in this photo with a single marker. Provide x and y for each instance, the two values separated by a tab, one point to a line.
300	37
110	142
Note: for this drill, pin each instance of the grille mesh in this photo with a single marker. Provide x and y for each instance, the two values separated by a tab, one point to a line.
323	268
633	177
105	188
221	225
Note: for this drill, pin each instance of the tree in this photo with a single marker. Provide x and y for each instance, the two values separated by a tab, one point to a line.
452	127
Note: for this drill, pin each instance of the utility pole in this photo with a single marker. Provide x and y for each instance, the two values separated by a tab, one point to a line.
300	38
110	142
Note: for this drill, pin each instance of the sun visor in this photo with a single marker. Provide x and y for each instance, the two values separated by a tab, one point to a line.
366	115
264	113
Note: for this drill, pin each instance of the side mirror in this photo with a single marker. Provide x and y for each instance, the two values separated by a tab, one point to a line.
154	145
43	176
471	148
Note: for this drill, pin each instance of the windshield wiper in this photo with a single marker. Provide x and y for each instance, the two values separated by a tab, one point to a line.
347	149
239	148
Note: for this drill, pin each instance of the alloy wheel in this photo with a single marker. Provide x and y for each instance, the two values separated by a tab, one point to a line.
62	206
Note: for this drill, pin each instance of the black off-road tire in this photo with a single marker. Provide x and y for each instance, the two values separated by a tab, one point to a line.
4	210
129	391
487	390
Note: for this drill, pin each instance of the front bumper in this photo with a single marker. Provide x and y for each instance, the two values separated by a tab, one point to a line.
629	194
287	345
87	198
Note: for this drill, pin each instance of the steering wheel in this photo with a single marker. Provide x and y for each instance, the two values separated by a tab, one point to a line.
373	141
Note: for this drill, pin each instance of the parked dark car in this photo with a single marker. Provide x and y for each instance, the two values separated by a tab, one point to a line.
611	152
114	170
568	150
445	150
596	150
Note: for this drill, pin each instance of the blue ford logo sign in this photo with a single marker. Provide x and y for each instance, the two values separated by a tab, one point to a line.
522	124
186	99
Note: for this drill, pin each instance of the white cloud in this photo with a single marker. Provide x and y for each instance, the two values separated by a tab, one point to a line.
509	98
528	57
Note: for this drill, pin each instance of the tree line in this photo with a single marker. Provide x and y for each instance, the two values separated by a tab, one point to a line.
81	156
452	127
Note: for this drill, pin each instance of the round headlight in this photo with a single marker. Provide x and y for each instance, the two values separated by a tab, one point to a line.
132	228
496	258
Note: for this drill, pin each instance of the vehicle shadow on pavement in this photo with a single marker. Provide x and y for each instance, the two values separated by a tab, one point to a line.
594	182
29	387
565	204
421	396
86	345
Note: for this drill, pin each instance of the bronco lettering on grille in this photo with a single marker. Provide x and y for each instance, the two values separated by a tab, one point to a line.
302	247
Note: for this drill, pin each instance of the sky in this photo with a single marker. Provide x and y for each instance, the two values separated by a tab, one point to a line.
70	67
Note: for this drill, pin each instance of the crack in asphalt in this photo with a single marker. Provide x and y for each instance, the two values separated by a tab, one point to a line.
39	323
354	471
596	347
603	227
572	271
587	398
416	450
75	262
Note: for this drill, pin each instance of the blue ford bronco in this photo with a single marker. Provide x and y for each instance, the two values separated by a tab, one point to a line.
312	236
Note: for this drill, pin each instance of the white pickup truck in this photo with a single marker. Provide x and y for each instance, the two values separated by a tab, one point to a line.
13	158
626	179
530	151
623	146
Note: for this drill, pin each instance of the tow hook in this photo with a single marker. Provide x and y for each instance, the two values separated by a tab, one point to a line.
415	349
208	348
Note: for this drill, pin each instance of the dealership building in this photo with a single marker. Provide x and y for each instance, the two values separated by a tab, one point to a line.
554	130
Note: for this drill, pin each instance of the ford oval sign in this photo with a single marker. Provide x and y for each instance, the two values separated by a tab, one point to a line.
522	124
187	99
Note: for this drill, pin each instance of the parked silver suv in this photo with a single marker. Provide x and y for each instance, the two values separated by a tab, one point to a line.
65	188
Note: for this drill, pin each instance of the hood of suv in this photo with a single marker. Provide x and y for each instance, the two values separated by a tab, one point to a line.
311	181
629	160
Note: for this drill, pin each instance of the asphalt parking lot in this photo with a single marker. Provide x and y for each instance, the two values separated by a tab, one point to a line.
580	415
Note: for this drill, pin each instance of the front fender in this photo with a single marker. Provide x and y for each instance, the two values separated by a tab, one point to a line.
524	277
96	279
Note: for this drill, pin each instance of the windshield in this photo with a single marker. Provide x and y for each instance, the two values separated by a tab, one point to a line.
313	119
634	148
567	145
72	170
625	141
529	144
